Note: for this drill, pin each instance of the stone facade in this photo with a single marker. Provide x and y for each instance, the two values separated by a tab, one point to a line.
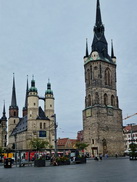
3	133
130	136
35	122
102	117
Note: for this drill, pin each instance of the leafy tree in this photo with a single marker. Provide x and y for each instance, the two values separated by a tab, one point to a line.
133	148
1	150
38	144
81	146
50	147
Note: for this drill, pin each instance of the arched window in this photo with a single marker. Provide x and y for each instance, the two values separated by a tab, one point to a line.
105	99
40	125
96	98
112	100
89	100
108	80
96	72
91	72
88	76
14	113
44	125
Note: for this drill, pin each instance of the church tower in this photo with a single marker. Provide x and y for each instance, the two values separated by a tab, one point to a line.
3	129
102	117
49	101
33	101
49	112
13	111
24	111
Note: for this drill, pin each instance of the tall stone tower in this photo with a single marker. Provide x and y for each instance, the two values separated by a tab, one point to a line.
102	117
13	114
49	102
33	106
3	129
49	112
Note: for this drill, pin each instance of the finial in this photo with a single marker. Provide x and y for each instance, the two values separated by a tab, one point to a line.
98	14
32	77
86	48
112	51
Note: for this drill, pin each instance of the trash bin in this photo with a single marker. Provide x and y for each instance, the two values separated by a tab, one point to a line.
8	163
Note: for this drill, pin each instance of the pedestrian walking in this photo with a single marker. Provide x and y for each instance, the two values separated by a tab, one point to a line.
100	157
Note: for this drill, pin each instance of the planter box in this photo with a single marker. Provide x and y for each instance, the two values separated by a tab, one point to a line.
80	160
39	163
63	162
133	157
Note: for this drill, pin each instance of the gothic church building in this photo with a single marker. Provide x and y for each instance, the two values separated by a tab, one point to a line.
3	129
35	122
102	117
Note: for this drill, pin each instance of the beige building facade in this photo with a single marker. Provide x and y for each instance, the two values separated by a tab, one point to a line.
102	117
35	123
3	129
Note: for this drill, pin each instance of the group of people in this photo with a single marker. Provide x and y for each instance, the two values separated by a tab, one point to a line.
100	157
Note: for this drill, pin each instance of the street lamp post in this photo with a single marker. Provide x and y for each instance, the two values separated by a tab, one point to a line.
55	131
15	148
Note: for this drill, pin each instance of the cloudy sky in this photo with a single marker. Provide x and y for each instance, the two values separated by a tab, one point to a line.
47	38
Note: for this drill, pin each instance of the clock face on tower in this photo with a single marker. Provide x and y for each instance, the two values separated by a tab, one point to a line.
110	112
88	112
94	55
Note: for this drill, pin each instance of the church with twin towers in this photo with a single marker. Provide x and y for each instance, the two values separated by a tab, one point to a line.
102	117
35	122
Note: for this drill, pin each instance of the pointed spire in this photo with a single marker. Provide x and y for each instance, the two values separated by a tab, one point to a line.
98	15
99	43
27	89
13	99
86	48
112	50
4	108
4	112
24	111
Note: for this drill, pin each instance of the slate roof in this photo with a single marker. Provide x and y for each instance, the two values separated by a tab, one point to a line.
22	124
13	99
99	43
42	115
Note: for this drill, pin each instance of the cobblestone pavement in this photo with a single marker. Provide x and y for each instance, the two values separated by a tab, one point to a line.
107	170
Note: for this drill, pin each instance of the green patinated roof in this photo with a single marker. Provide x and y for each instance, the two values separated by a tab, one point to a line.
33	89
49	91
89	59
